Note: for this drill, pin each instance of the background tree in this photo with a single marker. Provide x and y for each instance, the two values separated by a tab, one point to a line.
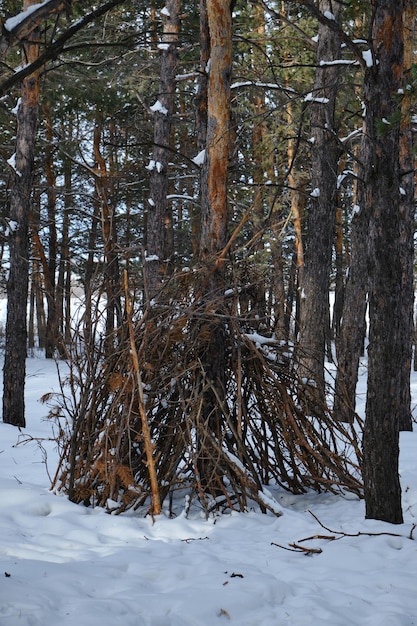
325	154
159	245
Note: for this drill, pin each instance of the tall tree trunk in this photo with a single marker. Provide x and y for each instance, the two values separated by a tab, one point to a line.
112	281
214	225
64	273
52	321
339	289
20	198
159	221
89	275
263	170
325	154
353	327
407	212
383	82
297	187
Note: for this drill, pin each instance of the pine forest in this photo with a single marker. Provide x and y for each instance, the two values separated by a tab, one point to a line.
207	219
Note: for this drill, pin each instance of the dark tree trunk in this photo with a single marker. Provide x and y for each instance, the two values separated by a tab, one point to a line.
407	212
352	332
17	285
325	154
159	221
64	273
339	290
52	321
381	434
112	281
90	274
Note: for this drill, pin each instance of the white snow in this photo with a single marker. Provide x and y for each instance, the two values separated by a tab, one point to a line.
315	193
165	12
12	163
180	196
199	158
310	98
74	566
367	57
11	23
337	62
159	107
12	226
154	165
329	15
352	135
16	108
163	46
262	85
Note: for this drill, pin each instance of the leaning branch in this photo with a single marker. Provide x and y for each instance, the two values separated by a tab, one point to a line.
333	25
18	28
57	46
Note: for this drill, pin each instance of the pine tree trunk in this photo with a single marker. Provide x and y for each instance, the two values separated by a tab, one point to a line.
52	325
64	273
112	279
17	285
352	332
325	154
407	213
159	220
214	230
383	82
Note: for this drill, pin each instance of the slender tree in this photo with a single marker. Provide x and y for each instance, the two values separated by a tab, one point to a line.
159	222
325	154
20	200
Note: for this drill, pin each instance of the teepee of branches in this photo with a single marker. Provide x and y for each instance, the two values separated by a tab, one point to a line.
135	437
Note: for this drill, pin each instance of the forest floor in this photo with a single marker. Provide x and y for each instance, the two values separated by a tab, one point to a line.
75	566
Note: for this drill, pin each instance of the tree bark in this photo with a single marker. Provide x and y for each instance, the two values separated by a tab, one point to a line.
407	213
159	221
52	321
325	154
352	332
214	227
17	285
383	82
112	281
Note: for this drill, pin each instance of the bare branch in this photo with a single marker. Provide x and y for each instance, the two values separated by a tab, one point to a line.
56	47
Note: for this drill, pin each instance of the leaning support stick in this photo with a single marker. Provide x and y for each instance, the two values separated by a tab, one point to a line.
150	462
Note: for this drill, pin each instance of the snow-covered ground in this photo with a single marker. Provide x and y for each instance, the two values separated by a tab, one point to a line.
68	565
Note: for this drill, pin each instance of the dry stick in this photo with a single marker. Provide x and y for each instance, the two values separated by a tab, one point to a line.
294	547
156	503
360	533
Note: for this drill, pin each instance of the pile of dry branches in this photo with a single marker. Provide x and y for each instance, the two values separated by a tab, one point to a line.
138	434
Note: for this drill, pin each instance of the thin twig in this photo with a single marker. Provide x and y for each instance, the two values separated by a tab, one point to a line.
360	533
